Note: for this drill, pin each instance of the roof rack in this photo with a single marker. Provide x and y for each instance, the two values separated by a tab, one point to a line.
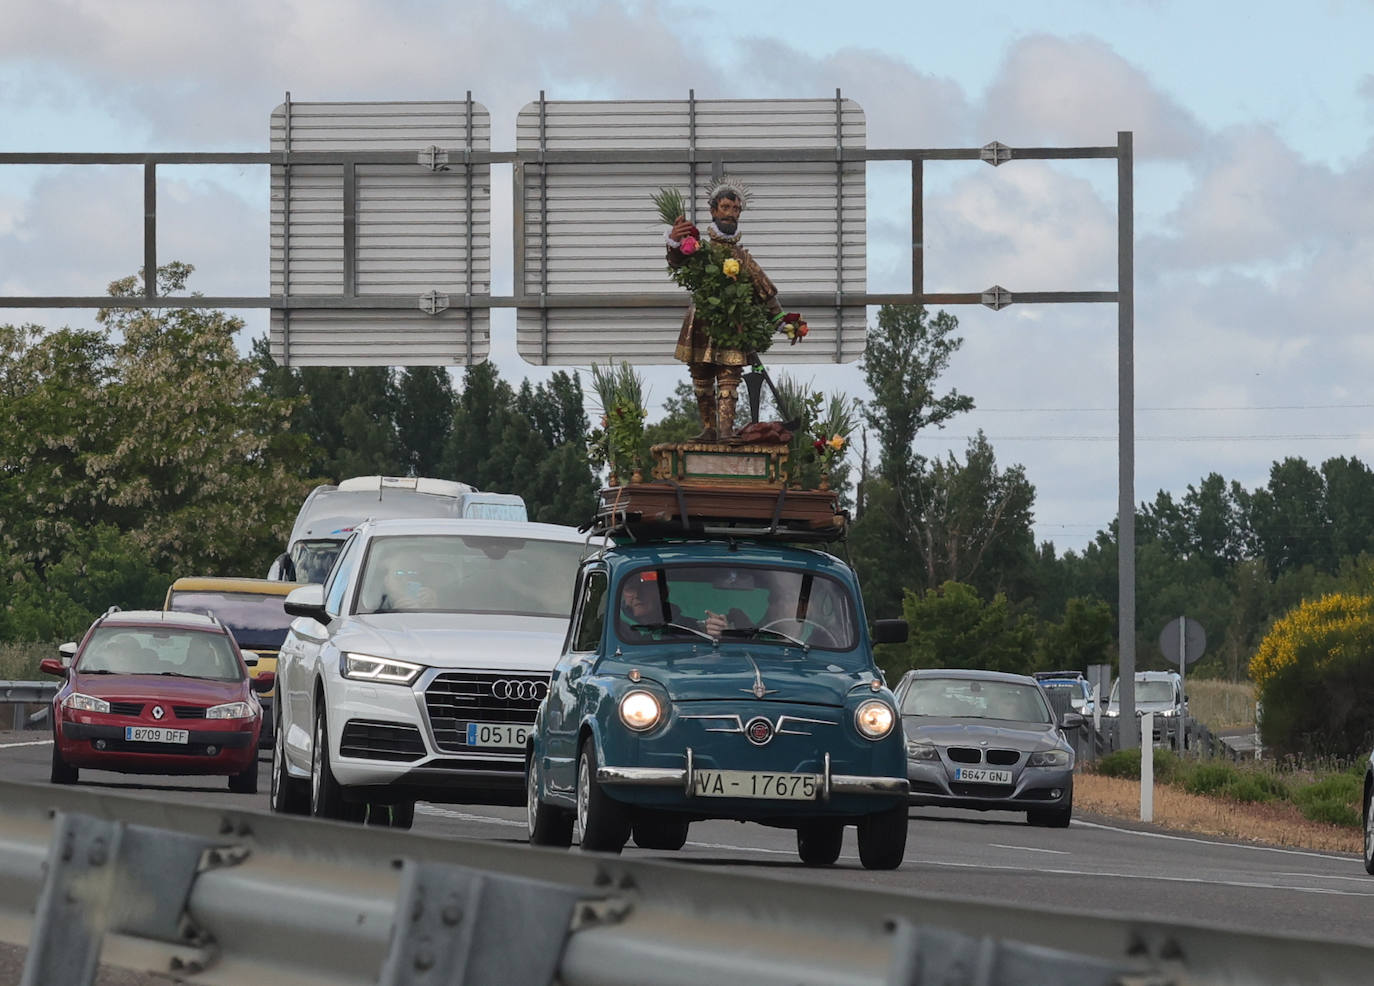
665	509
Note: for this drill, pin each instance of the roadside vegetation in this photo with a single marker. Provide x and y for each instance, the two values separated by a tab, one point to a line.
1326	792
19	662
1221	705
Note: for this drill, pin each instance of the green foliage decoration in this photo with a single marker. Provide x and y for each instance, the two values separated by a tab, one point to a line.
725	300
619	440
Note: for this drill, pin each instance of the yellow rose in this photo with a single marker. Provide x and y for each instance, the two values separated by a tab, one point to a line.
836	443
730	268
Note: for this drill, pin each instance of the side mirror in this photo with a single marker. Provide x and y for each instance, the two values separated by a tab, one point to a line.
250	658
890	631
264	682
52	666
68	651
1071	720
306	601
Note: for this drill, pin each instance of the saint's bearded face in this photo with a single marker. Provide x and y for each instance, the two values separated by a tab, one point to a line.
725	214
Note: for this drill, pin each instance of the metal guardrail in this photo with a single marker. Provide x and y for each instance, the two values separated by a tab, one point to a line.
21	693
237	897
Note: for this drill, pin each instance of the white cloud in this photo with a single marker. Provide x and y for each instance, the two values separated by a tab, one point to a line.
1079	91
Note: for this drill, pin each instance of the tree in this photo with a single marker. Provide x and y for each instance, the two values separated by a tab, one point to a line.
424	417
951	627
1086	635
1314	671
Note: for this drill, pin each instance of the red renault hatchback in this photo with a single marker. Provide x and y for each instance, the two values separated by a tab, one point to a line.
151	692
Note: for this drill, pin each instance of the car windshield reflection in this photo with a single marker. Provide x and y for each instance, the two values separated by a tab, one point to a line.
967	698
181	653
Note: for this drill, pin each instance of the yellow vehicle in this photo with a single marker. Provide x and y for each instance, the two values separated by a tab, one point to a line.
252	610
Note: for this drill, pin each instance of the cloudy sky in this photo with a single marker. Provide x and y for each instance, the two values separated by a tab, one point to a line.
1252	126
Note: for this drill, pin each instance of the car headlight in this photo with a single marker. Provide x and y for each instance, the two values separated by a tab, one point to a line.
640	710
85	703
921	751
1112	713
1050	758
1168	713
365	667
230	710
874	719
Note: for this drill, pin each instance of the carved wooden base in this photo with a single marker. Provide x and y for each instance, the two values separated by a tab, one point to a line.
720	464
670	509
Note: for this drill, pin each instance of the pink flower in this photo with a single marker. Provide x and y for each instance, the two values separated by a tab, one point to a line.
689	246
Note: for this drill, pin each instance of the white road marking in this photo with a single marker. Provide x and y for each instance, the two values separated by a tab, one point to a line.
1056	852
8	746
1215	842
463	816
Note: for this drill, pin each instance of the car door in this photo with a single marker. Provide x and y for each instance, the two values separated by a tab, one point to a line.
309	641
564	710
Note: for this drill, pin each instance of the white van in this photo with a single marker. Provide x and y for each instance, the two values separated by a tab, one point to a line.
330	513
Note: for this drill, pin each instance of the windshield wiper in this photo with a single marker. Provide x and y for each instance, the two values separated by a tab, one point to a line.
176	674
755	631
98	671
673	626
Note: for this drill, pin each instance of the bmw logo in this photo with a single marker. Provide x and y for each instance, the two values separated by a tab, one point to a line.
759	731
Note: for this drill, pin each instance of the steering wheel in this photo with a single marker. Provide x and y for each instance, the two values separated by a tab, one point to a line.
803	622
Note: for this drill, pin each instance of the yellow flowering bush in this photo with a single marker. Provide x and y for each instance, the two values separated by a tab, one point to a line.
1314	672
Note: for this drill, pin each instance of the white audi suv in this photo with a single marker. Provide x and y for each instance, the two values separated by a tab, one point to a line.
415	671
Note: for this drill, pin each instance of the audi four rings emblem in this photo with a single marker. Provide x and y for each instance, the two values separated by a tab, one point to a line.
513	689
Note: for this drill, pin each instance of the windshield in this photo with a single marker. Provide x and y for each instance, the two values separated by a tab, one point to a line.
1147	691
146	650
314	559
257	620
468	573
761	604
970	698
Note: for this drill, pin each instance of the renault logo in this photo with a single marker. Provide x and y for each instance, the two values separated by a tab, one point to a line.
517	689
157	712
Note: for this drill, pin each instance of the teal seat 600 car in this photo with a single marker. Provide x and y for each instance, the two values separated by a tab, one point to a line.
719	678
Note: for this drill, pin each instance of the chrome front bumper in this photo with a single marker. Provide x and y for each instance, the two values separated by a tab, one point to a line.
829	783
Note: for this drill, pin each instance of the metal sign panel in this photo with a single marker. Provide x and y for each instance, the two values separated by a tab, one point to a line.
590	228
360	231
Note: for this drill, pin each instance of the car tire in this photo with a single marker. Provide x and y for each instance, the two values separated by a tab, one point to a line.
400	815
288	796
1053	818
545	824
602	823
662	832
818	843
882	838
62	772
1369	828
246	780
326	795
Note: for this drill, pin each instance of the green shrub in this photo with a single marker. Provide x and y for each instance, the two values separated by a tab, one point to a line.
1255	786
1333	812
1126	764
1210	778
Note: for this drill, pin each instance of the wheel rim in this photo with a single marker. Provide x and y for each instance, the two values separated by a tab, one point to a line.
277	766
531	799
316	767
1369	829
584	790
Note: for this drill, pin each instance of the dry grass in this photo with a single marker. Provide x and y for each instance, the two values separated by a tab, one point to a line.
19	662
1221	704
1275	824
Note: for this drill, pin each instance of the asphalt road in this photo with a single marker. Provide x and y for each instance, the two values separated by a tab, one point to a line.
1097	866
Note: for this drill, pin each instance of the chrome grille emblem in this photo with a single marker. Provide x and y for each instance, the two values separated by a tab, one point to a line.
158	713
517	689
758	731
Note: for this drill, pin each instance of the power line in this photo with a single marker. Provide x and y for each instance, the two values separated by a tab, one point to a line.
1204	407
1152	438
